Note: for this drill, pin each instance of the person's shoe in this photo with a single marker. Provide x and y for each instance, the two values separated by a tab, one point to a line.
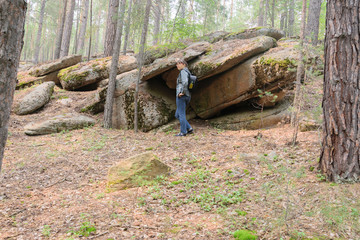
190	131
180	135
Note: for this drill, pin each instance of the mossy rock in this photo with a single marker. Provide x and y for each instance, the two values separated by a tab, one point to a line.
244	235
135	171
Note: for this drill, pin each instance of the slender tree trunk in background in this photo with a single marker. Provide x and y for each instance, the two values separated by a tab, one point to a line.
60	30
273	14
183	9
65	44
312	26
83	23
157	11
266	12
291	18
231	10
299	74
128	23
114	69
38	36
111	27
174	22
12	21
340	156
261	14
141	62
77	19
91	30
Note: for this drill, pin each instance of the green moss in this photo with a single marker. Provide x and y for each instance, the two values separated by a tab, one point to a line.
244	235
285	63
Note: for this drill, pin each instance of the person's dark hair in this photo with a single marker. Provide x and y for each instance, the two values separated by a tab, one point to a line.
180	60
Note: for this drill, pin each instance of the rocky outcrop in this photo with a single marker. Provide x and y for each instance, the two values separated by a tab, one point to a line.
54	66
59	123
84	74
135	171
156	103
251	119
268	73
35	99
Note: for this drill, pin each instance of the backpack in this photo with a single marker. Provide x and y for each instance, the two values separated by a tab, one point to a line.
192	81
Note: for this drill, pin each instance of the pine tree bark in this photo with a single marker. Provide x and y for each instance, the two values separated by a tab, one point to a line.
114	69
83	23
65	44
38	36
111	27
267	6
12	21
340	153
312	26
60	31
141	62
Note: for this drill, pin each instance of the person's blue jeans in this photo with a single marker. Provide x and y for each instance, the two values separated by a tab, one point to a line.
180	113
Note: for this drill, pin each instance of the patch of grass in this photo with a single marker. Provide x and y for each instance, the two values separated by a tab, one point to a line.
46	231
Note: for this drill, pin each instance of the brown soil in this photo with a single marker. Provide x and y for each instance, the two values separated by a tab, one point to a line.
54	186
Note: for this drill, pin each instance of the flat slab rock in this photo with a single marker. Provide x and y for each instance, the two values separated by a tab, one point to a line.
59	123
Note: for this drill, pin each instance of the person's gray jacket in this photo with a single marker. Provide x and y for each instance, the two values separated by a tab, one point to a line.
182	82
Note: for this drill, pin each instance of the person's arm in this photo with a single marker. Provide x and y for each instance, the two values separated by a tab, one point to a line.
183	82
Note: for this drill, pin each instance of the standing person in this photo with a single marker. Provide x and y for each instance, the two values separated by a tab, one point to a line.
183	97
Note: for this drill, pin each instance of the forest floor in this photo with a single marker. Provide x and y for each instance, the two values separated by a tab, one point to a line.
54	186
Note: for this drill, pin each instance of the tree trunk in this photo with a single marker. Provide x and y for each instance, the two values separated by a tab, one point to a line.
83	23
111	27
12	21
60	31
174	22
65	44
312	26
273	14
340	156
266	12
114	69
299	74
127	30
157	11
291	18
91	30
141	62
261	14
38	36
77	19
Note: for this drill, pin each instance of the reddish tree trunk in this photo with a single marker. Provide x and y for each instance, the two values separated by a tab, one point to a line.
340	156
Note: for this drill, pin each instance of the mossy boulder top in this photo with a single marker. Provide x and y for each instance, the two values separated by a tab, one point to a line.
135	171
84	74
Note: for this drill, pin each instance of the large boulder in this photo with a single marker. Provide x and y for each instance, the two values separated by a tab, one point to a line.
135	171
223	56
84	74
161	65
251	119
55	65
156	104
269	72
59	123
36	99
